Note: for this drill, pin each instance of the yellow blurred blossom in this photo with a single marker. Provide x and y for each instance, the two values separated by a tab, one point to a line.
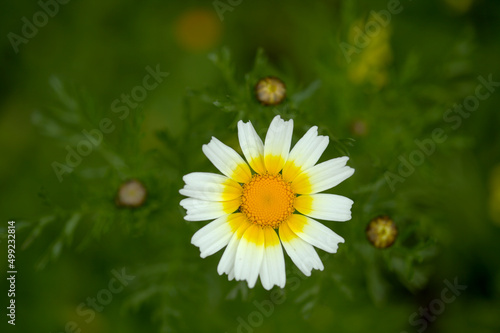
370	65
459	6
198	29
495	194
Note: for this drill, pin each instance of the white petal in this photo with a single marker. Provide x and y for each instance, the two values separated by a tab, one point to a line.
212	237
227	160
315	233
201	210
302	253
210	187
277	144
305	153
252	146
272	270
226	263
230	275
325	206
249	255
323	176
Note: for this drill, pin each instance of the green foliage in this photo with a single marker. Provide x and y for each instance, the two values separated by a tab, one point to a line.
374	109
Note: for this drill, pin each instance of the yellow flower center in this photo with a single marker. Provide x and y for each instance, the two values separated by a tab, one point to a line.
267	200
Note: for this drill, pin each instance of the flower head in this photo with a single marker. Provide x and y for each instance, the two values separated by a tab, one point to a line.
266	202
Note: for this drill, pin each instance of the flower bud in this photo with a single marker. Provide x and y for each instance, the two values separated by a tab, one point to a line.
270	91
131	194
381	232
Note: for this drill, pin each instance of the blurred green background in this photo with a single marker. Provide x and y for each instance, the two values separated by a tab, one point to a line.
373	83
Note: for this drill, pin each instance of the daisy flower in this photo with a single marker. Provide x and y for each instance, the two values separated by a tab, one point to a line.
267	202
